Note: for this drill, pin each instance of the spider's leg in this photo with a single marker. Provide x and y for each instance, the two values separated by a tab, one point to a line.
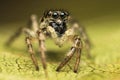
42	48
14	36
30	34
78	51
66	59
86	39
32	54
69	54
81	30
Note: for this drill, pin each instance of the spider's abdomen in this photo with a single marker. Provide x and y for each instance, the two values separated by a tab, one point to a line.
59	28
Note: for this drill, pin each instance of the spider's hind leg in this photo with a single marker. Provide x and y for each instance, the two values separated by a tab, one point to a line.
86	39
14	36
84	36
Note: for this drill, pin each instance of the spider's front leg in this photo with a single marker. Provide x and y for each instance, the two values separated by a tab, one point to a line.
30	49
42	49
30	34
77	46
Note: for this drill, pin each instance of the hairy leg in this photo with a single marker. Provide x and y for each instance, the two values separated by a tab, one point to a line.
32	54
66	59
69	55
78	53
42	49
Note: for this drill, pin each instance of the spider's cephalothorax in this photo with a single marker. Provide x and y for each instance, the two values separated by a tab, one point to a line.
57	19
59	25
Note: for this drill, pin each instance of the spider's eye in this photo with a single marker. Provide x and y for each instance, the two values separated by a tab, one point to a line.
55	15
62	15
49	14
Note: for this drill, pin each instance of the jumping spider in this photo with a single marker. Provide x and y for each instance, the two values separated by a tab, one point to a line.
58	25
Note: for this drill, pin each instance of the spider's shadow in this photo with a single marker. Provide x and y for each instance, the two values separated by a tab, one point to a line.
55	56
52	56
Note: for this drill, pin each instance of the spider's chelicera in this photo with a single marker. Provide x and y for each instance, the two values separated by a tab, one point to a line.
58	25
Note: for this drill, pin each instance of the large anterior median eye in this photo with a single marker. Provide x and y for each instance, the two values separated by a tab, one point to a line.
55	15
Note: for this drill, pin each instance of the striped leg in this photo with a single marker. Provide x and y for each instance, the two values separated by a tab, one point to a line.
78	51
69	56
77	60
41	39
30	49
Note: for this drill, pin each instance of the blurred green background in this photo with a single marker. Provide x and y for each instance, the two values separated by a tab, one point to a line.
101	19
81	9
